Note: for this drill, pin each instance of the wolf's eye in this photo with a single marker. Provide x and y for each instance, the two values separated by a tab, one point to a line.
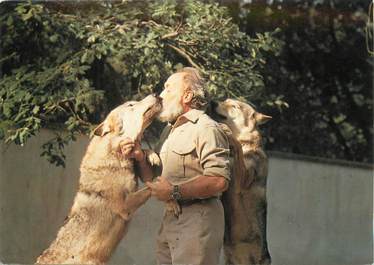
130	105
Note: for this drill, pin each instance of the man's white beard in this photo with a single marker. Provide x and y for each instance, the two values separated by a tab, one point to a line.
170	112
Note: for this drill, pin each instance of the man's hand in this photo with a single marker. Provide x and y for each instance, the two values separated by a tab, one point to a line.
131	149
161	188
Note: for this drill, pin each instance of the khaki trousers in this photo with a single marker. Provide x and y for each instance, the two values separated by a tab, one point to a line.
195	237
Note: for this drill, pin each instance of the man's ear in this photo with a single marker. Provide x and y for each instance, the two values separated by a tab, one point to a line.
102	129
261	118
187	97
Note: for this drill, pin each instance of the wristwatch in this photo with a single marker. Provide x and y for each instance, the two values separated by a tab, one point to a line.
176	193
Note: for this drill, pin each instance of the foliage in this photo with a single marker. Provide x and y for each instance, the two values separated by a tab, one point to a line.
67	64
324	72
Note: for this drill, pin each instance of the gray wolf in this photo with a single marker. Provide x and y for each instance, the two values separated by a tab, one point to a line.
107	196
245	200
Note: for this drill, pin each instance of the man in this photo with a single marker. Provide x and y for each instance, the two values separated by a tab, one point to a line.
195	171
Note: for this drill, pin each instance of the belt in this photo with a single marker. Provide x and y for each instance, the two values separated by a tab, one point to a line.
189	202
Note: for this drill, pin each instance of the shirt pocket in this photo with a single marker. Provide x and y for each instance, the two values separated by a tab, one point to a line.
185	151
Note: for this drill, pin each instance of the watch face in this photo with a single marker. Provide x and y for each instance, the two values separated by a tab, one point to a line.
176	195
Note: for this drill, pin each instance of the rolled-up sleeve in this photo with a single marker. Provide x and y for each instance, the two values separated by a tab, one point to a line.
213	151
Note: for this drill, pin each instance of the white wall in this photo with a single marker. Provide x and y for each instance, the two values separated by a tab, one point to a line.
318	212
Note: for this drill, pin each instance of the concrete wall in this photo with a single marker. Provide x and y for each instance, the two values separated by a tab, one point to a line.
319	213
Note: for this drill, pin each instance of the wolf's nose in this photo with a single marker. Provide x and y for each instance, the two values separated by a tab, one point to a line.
157	96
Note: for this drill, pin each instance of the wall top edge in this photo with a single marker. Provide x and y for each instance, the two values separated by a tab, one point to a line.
317	159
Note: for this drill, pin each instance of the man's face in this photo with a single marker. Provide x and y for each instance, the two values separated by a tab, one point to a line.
171	96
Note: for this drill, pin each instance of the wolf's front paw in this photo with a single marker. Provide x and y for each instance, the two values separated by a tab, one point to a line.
173	207
152	158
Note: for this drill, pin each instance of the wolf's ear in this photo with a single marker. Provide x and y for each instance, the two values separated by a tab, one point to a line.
110	124
102	129
261	118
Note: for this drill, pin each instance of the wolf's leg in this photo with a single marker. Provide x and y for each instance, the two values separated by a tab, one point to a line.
120	209
115	199
127	204
245	253
174	207
136	199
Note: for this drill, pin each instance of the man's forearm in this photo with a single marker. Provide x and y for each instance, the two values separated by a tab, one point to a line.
203	187
145	170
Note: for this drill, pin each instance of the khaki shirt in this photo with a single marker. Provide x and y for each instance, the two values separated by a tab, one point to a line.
194	146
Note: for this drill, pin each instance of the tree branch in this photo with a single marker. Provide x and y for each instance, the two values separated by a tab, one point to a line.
184	54
170	35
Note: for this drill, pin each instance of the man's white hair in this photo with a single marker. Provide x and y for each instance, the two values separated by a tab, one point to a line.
196	84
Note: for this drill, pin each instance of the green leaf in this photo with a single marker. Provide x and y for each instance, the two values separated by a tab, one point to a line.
7	109
28	15
36	109
53	38
9	21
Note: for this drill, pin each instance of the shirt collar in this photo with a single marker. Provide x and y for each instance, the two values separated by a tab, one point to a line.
193	115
